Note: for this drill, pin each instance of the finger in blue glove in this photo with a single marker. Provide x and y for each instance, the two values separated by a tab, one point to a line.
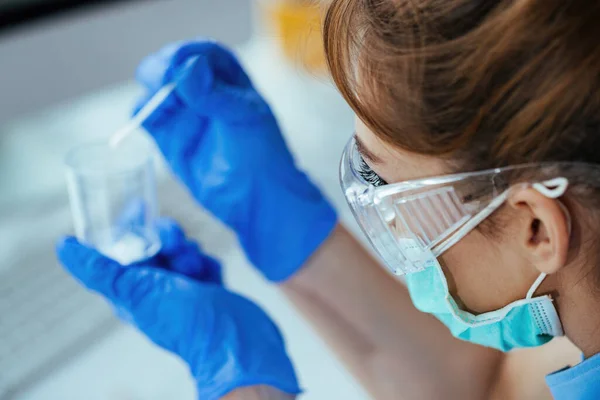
227	341
184	256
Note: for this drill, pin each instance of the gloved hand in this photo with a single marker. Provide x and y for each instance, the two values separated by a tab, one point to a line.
176	300
221	139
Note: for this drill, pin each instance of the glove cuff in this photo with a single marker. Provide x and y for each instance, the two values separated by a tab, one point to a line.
288	224
304	241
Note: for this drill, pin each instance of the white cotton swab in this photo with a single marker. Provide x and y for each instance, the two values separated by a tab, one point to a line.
141	116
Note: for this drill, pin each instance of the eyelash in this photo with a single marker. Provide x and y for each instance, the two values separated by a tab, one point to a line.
369	175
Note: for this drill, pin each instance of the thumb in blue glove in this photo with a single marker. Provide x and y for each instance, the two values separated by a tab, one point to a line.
176	301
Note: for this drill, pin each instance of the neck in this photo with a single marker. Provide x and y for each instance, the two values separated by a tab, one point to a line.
578	311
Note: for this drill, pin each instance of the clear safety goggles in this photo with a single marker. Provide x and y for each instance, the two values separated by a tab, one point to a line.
408	222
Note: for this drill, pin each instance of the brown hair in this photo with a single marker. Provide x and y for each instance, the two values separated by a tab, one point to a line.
481	83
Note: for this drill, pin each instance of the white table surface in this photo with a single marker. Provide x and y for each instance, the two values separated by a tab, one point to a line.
317	124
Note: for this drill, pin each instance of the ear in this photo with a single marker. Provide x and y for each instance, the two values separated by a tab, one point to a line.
545	234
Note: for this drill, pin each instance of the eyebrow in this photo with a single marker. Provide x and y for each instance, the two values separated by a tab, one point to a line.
365	152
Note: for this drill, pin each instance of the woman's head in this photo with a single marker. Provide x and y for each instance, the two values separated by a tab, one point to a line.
477	82
445	86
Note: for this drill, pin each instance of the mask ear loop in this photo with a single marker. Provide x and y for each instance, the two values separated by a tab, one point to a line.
536	285
553	189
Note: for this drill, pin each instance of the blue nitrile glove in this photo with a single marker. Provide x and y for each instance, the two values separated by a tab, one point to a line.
221	139
177	301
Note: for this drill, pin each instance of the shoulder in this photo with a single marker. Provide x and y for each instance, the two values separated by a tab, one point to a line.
523	372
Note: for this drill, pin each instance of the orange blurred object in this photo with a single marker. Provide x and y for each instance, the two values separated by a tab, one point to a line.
297	26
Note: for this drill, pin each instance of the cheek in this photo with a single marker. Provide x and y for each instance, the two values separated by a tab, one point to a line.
478	274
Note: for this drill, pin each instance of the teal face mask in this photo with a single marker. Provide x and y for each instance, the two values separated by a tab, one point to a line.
411	223
530	322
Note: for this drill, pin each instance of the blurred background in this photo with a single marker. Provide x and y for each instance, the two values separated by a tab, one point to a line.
66	69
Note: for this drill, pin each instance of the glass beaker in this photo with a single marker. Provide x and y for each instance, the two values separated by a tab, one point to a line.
112	190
